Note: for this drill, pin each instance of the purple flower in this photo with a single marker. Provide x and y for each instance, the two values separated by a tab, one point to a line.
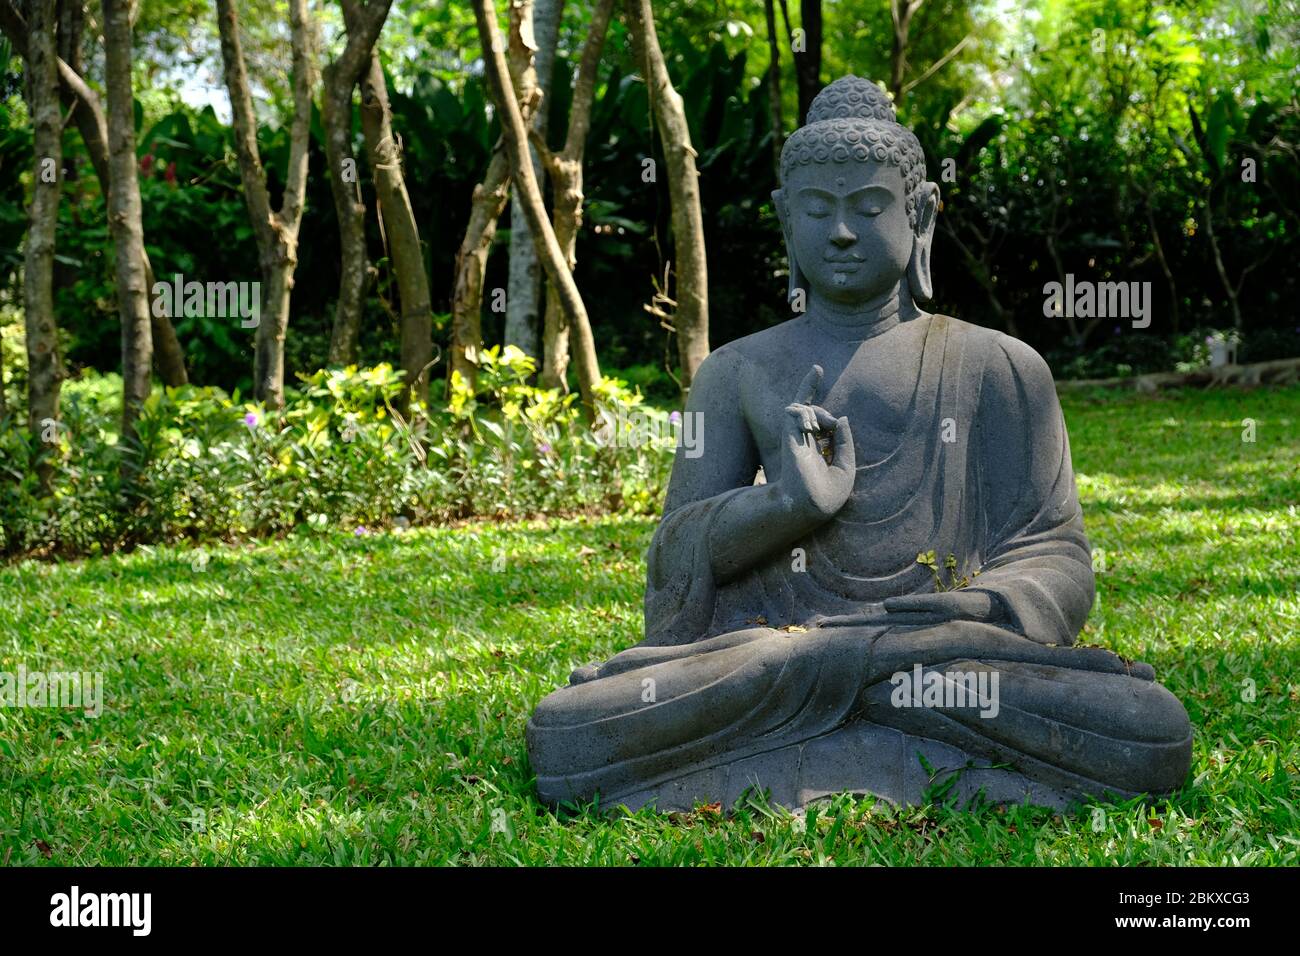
675	418
544	448
360	531
251	419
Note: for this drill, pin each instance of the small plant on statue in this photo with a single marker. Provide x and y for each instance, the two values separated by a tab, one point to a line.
955	581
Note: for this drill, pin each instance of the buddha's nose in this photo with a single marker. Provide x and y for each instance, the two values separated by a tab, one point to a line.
843	236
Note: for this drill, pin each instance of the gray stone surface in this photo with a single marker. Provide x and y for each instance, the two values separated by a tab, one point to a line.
793	641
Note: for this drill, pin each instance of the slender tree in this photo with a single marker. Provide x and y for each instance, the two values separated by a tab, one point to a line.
901	13
486	206
403	234
515	133
691	319
124	212
276	230
523	289
565	170
807	53
87	112
44	370
774	85
339	79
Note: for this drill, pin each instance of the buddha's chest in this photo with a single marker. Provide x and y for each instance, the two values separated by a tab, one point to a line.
875	388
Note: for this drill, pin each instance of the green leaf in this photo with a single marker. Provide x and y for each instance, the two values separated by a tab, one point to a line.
1216	131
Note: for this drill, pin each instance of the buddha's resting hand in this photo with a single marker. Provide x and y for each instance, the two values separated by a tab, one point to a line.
944	606
813	485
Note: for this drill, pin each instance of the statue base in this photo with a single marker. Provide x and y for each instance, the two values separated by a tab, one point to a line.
860	758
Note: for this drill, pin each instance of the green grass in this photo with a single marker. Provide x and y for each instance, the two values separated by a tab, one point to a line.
337	699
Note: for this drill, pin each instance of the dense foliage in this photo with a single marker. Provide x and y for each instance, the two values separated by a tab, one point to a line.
1108	140
207	465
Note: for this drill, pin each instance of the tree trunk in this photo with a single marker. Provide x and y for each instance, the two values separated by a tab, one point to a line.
44	370
774	86
692	316
403	236
276	232
486	206
488	202
124	212
515	133
364	25
566	178
901	12
1175	322
88	113
523	290
1219	267
355	273
808	62
168	356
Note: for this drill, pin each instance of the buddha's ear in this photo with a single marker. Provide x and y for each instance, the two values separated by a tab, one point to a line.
918	269
783	214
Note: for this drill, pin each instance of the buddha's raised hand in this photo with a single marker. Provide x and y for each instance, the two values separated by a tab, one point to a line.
815	486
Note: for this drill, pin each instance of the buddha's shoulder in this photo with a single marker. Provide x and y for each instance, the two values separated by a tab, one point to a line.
754	351
1002	349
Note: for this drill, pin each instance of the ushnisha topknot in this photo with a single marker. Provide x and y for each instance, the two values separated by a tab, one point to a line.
851	97
853	119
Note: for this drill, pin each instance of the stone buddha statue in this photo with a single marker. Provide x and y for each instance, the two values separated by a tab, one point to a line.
871	578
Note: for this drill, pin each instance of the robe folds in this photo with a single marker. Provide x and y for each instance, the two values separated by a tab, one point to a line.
757	671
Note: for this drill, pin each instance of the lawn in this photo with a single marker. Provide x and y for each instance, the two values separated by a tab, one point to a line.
343	699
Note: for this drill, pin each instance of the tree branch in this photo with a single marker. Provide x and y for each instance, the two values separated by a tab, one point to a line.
525	179
584	87
938	64
245	126
364	24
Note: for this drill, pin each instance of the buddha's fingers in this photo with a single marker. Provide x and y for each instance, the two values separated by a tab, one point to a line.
804	415
807	390
813	418
900	648
964	605
865	619
825	420
842	454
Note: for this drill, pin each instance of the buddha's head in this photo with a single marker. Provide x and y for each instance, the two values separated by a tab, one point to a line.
857	212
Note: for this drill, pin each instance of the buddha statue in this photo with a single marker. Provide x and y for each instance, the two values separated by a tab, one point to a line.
883	516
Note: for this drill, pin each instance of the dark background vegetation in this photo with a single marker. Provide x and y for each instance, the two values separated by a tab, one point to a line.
1112	155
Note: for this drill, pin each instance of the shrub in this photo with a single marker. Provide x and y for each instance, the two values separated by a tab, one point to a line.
207	465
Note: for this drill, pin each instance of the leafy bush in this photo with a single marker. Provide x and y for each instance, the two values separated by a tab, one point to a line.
207	465
510	448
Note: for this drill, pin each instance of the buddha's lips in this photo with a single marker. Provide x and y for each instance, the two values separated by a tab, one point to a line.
843	268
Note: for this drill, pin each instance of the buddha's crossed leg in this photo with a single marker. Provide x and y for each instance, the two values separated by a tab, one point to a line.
1081	718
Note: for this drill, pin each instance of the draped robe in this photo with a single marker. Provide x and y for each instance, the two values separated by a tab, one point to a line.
752	682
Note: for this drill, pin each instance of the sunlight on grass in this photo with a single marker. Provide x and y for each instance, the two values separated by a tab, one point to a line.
335	699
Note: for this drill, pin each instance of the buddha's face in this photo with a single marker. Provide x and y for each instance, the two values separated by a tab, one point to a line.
848	225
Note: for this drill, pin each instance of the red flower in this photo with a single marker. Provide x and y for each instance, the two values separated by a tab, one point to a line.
146	163
170	173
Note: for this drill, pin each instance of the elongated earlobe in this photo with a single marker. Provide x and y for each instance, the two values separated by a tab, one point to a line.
918	268
796	275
